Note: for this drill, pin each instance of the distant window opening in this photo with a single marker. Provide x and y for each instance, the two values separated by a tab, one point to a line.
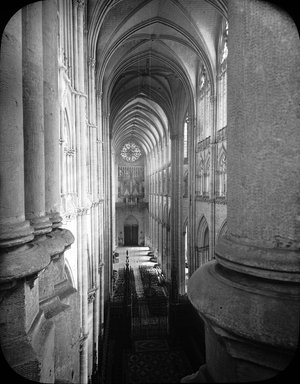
185	141
130	152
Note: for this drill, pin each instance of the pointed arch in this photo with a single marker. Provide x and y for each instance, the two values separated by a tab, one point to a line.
68	273
221	180
185	224
130	220
223	229
202	232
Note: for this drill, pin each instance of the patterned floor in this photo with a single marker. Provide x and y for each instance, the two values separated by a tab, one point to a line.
153	362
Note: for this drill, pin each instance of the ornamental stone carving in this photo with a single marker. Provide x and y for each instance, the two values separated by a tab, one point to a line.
79	3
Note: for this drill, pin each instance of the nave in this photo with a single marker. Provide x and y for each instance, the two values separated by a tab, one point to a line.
139	346
168	124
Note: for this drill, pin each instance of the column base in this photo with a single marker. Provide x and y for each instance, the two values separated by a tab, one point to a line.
247	335
41	225
55	219
15	234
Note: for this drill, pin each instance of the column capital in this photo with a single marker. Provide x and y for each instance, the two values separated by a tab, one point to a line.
92	62
79	3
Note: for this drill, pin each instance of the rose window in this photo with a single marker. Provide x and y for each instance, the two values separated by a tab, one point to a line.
130	152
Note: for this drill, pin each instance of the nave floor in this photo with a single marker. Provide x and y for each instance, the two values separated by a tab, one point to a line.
156	359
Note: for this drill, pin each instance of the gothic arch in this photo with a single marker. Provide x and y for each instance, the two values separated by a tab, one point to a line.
202	231
185	223
223	229
66	129
131	220
68	273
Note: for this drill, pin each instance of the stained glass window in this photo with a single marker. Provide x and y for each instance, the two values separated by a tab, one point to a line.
225	48
130	152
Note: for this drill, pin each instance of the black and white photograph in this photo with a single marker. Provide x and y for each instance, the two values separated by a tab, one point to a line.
149	191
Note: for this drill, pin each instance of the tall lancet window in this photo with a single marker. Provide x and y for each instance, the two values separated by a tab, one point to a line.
221	173
222	76
185	141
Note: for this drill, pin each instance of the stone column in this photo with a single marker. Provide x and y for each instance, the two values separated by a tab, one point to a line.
192	126
84	203
213	162
14	229
51	112
177	265
249	298
34	152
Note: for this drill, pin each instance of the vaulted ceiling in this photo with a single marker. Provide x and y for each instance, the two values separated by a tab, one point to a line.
148	54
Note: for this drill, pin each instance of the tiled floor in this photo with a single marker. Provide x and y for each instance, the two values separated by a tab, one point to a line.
150	360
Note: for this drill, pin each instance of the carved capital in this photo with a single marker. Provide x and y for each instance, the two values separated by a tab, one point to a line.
100	266
79	3
99	93
92	62
91	295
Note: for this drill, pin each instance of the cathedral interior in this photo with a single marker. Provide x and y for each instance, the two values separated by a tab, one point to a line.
149	188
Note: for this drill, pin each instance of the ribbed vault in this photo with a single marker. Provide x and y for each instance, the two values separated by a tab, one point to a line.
148	55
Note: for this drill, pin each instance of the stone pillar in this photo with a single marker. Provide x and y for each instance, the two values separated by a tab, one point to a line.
249	298
33	118
84	202
14	229
51	112
192	202
177	265
213	162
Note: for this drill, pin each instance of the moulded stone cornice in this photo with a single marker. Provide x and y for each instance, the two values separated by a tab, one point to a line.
204	198
221	200
23	261
202	145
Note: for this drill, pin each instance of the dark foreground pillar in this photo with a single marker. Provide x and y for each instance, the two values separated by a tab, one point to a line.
249	296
